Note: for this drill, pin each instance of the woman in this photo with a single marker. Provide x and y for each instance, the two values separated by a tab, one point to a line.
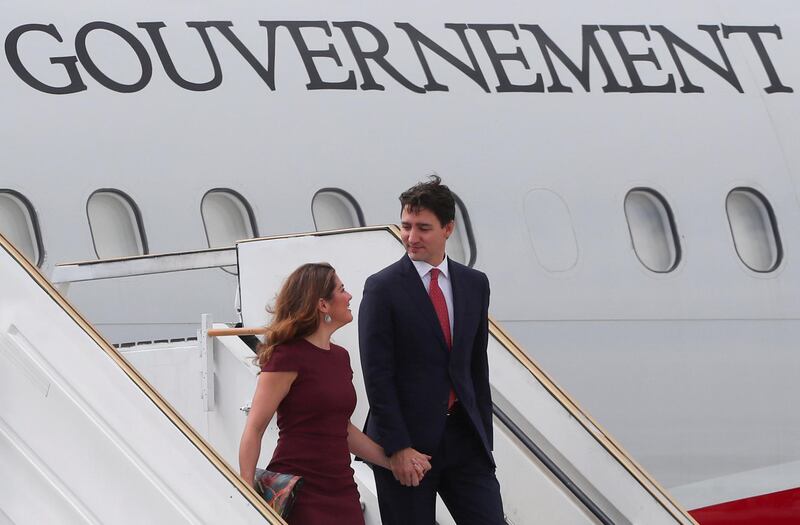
308	380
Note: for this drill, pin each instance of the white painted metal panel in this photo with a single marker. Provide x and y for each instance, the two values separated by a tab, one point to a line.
175	370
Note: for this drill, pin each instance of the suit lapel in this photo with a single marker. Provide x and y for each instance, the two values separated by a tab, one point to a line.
414	287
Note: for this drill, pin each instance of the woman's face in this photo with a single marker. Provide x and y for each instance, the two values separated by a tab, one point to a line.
339	305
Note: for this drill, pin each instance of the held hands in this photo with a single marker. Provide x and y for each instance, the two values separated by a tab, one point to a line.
409	466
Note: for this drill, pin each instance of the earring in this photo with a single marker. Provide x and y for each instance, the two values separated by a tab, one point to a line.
327	318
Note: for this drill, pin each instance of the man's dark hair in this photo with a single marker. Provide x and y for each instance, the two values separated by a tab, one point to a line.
433	196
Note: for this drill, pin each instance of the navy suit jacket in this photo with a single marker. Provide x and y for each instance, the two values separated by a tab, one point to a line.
408	369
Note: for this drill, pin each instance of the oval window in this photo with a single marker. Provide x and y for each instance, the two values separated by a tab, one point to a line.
227	218
19	225
550	230
115	224
335	209
652	230
754	229
461	244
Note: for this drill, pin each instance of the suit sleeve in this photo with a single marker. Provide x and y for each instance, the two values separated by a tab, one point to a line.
377	349
480	367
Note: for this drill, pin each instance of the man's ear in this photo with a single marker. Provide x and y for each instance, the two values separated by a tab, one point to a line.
449	227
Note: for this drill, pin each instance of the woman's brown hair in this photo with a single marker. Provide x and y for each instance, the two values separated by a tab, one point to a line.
295	313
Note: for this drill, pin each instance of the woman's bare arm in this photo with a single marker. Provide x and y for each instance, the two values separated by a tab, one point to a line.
271	388
362	446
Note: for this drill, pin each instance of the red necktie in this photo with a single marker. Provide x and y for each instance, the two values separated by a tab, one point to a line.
440	306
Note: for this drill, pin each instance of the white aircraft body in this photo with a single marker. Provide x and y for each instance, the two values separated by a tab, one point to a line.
627	175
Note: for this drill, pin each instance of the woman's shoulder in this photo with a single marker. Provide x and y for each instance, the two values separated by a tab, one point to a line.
285	357
341	351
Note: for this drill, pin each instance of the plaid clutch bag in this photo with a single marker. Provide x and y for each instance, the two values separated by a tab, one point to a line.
278	490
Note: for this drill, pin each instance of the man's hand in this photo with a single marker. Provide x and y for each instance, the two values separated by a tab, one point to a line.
409	466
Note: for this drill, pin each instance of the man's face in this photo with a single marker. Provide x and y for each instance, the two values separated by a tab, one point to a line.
423	235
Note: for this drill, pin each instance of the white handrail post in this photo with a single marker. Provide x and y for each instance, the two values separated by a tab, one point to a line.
206	362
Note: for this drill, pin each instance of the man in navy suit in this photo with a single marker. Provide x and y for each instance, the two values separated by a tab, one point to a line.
423	331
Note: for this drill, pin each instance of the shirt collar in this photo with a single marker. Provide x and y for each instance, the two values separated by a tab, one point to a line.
423	267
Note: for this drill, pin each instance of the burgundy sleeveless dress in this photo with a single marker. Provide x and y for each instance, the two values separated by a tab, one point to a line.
312	441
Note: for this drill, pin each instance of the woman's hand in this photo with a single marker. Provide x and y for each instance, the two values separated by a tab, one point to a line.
409	466
422	462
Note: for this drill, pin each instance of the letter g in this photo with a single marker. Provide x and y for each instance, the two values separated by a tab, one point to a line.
69	62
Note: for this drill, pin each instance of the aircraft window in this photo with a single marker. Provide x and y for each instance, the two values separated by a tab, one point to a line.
116	225
19	225
334	209
227	218
550	230
461	244
754	229
652	229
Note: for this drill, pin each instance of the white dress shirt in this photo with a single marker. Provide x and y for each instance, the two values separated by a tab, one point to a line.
424	270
